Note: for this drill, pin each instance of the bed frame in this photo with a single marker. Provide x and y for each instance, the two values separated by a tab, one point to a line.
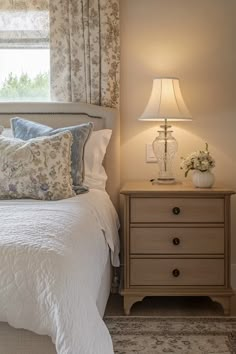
58	115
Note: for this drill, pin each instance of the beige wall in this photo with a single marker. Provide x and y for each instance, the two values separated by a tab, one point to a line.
194	40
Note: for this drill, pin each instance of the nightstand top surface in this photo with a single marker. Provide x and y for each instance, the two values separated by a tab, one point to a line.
136	187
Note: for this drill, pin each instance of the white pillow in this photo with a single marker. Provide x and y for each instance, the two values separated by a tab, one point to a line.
95	175
7	132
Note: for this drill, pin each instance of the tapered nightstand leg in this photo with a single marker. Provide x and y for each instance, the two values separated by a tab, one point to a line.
129	301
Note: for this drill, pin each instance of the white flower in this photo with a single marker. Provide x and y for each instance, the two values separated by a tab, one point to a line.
199	160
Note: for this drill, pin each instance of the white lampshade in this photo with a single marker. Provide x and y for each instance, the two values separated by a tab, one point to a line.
166	102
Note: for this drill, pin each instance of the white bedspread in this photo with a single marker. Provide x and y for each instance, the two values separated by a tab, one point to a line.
52	257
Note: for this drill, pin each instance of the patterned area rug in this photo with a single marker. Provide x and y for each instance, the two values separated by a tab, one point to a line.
157	335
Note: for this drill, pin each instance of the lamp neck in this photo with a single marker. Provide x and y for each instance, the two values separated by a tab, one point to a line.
166	130
165	126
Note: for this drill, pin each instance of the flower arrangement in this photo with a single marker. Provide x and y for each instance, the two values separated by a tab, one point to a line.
199	160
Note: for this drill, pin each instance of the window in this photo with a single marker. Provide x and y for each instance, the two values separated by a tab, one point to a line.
24	54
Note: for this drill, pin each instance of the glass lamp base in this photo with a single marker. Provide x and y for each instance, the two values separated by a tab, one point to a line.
163	180
164	148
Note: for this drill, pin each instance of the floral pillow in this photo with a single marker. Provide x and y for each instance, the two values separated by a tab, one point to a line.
39	168
26	129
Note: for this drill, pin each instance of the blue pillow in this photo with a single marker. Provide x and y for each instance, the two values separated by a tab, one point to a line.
25	130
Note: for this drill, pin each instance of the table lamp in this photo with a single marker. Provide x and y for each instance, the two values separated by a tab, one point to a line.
165	104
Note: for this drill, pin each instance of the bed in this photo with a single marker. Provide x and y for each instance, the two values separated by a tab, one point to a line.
60	292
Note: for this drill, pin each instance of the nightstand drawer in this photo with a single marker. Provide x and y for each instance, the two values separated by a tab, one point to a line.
202	240
191	272
176	210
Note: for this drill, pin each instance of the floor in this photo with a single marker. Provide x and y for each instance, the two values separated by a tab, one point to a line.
169	306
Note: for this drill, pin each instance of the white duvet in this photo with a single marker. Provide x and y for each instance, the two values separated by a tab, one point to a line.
52	257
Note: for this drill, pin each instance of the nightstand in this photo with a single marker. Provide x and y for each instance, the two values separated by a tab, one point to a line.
176	242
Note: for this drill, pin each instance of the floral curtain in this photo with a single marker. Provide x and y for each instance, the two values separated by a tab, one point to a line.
85	55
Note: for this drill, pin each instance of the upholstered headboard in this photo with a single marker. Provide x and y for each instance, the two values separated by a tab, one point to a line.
65	114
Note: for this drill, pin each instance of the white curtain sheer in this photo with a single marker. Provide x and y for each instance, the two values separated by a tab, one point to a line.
24	24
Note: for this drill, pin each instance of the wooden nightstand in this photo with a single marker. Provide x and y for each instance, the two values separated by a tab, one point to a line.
176	242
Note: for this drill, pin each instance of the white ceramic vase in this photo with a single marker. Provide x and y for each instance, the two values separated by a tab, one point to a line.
203	179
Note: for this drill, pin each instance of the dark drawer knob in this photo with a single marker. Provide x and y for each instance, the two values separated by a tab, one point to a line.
176	241
176	273
176	210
